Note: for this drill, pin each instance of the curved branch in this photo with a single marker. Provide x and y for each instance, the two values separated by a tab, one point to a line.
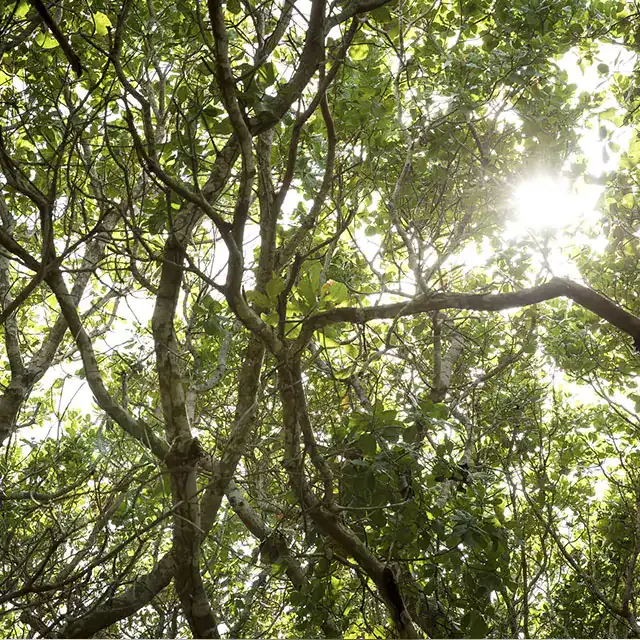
141	592
121	416
14	395
595	302
310	58
327	521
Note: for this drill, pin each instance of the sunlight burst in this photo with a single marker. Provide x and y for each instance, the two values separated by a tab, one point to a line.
546	203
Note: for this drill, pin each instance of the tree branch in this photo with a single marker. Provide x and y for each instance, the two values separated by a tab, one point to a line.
71	55
595	302
142	591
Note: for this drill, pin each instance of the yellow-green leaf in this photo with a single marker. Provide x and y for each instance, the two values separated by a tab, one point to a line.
326	341
359	51
101	23
335	292
315	270
255	297
275	287
23	143
21	9
46	41
271	319
292	329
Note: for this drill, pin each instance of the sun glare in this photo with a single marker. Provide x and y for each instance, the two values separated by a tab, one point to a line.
546	203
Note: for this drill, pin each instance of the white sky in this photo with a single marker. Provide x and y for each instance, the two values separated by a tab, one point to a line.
553	202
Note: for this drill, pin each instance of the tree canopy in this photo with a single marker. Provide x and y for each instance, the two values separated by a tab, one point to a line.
275	359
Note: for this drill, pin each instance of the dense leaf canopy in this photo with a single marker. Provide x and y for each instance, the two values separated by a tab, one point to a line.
279	357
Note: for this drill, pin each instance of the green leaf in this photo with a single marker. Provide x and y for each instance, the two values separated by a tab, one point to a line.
335	292
305	289
603	68
410	434
275	287
23	143
257	298
368	444
381	14
491	581
438	528
314	273
157	221
359	52
21	10
292	329
101	23
47	41
426	407
475	624
212	305
267	74
272	319
489	42
440	411
223	127
212	325
378	518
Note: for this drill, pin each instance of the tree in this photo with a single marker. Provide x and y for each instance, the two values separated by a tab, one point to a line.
241	232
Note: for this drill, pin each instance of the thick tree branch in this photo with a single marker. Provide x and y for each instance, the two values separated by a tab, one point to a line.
274	548
7	318
310	59
595	302
133	427
320	98
142	591
227	85
327	520
309	221
246	407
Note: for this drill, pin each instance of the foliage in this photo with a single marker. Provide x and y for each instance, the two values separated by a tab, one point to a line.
272	364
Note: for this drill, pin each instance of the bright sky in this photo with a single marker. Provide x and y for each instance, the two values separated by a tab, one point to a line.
547	201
